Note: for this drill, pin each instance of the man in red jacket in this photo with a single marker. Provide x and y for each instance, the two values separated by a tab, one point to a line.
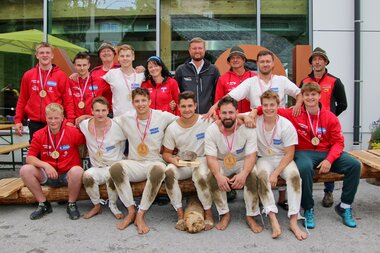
333	98
233	78
320	145
40	86
53	160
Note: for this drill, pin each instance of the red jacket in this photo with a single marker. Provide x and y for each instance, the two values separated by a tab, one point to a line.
31	105
333	95
68	148
229	81
329	131
93	89
162	93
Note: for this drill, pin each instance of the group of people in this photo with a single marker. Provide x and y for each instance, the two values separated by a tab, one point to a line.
250	140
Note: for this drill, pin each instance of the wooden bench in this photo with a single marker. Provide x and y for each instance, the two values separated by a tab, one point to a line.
12	147
21	195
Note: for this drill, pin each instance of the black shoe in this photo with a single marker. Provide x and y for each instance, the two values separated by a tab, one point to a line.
283	205
162	200
72	210
42	209
231	195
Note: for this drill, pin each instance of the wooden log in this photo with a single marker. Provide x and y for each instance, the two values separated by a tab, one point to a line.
194	215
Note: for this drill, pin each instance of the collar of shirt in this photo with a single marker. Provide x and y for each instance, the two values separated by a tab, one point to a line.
200	67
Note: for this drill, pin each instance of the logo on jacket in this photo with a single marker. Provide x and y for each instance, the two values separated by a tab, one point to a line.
200	136
187	79
154	130
51	83
93	87
277	141
275	89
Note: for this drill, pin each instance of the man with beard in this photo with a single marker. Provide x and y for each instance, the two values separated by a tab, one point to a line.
230	150
198	75
187	134
333	98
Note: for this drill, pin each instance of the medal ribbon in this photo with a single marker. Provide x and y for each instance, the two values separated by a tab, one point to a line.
125	77
142	136
262	86
311	123
269	144
43	84
59	142
229	147
96	137
82	91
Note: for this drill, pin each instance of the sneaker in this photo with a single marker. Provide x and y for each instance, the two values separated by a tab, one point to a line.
72	210
346	214
42	209
231	195
309	218
328	199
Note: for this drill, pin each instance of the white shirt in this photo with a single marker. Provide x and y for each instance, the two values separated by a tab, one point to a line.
250	89
112	148
245	142
154	133
191	139
122	91
285	136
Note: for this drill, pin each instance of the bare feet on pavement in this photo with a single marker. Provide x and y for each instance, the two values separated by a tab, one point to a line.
129	219
142	228
298	233
224	221
97	209
256	228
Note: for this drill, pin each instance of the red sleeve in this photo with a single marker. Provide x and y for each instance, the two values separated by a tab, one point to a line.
219	92
22	99
336	138
79	136
175	92
68	102
35	146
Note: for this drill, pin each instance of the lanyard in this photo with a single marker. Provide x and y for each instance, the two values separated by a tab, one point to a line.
43	84
142	136
262	86
311	123
96	137
82	91
269	144
229	145
125	77
59	142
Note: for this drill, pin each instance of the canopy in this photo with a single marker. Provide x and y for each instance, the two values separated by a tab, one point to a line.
24	42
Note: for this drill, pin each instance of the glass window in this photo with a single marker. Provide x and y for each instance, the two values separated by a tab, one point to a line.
16	15
87	23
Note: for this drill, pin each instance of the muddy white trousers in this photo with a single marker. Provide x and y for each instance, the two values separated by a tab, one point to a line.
265	167
92	179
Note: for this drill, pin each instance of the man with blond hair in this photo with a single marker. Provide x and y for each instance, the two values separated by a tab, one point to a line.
40	86
53	160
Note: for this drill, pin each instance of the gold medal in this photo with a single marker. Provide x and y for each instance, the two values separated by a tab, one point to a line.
54	154
43	93
99	154
229	161
81	104
269	151
142	149
130	96
315	141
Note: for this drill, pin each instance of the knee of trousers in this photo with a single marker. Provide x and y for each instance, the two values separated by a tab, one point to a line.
88	180
156	175
117	173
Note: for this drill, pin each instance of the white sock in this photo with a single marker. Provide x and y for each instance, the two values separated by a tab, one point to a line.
344	206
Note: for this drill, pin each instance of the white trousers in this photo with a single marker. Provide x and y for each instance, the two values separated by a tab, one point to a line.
199	176
126	171
265	167
251	197
92	179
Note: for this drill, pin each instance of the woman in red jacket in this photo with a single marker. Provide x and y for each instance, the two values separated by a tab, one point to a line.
162	87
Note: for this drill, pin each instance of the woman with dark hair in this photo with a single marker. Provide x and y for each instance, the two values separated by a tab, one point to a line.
162	87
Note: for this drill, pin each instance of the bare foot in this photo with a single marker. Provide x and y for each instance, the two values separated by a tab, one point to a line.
180	225
129	219
209	220
224	221
142	228
119	216
97	209
298	233
256	228
276	229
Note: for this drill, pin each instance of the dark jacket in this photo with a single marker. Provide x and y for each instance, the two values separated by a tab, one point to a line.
202	84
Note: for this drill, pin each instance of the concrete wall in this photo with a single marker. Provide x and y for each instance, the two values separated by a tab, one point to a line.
333	30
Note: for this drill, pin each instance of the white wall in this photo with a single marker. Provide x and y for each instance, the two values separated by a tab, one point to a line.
333	30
